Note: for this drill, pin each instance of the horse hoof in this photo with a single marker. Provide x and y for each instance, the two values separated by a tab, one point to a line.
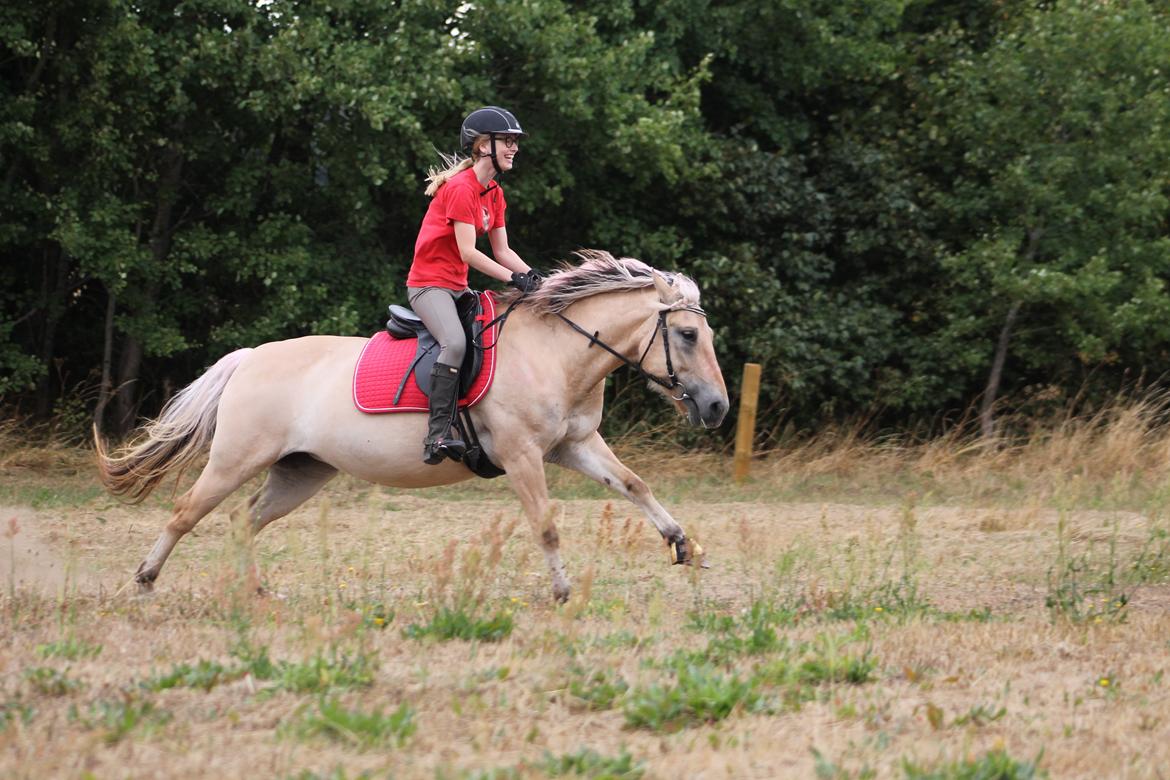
562	595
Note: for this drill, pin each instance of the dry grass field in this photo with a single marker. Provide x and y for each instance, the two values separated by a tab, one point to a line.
874	609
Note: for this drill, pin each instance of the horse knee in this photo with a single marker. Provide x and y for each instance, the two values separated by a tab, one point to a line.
636	489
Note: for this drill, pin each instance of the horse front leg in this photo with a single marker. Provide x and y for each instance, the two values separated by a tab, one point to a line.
526	474
593	458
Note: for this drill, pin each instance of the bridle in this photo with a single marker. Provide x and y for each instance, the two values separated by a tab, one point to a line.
672	382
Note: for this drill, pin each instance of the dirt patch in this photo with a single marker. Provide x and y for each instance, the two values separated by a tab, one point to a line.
30	562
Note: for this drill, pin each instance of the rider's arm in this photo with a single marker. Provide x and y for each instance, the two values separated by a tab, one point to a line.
504	254
465	240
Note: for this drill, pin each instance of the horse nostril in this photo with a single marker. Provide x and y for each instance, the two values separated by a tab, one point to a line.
717	409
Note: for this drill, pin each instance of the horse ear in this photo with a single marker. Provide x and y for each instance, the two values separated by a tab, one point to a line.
668	293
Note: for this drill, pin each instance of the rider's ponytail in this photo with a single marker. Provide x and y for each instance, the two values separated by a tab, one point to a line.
437	177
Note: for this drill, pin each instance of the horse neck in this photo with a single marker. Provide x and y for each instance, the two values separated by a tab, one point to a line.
623	320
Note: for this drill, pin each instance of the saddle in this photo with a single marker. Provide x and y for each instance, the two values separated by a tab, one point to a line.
405	324
393	372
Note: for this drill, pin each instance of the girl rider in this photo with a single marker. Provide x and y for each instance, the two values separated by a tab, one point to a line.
467	203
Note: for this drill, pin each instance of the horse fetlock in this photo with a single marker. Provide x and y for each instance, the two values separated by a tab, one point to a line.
146	575
685	551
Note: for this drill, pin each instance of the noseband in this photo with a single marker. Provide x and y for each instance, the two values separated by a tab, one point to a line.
672	381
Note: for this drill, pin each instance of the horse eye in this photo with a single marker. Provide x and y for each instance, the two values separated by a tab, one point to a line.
689	335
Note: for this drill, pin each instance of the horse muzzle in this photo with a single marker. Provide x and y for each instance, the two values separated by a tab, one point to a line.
704	408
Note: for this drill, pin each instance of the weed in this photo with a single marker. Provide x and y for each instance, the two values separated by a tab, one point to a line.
979	715
1082	588
14	710
598	690
377	617
318	674
1152	563
70	649
363	730
447	624
827	770
338	773
891	599
204	674
589	763
119	718
52	682
996	765
322	673
837	669
458	590
618	640
700	695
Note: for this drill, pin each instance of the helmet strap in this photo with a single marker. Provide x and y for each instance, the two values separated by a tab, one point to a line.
495	162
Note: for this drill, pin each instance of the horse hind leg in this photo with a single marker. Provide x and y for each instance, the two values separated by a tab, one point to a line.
292	481
216	483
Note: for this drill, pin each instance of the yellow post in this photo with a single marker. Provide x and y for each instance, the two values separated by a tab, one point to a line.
746	429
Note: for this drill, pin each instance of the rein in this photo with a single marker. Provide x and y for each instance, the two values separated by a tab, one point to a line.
671	382
674	381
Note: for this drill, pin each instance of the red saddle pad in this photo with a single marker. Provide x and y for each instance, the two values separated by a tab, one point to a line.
385	359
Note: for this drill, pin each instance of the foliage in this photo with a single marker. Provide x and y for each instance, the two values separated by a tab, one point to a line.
117	718
996	764
457	623
864	190
1086	587
589	763
699	695
204	674
599	689
70	648
361	729
52	682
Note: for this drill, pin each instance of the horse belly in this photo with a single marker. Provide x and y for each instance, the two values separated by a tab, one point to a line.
382	448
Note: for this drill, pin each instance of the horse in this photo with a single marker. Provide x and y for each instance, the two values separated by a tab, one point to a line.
286	406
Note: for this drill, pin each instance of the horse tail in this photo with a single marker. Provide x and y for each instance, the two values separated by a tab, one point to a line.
181	432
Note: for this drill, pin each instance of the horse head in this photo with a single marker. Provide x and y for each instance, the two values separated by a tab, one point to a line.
695	383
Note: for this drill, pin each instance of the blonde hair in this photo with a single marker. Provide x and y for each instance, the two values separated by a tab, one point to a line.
453	164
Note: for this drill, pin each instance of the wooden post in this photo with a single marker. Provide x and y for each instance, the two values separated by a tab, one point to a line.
745	431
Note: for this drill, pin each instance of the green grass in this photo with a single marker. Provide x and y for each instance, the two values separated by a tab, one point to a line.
600	689
69	648
120	717
363	730
204	675
321	672
52	682
591	764
14	710
457	623
996	765
60	495
698	695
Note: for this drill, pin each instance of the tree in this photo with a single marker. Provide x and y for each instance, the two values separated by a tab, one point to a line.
1060	127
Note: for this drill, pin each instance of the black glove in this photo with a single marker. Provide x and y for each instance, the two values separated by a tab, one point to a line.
524	282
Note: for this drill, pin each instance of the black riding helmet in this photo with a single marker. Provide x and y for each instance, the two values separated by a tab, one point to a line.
490	121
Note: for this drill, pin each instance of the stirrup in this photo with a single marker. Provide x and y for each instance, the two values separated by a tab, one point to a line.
436	452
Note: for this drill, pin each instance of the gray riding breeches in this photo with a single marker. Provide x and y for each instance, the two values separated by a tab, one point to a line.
435	306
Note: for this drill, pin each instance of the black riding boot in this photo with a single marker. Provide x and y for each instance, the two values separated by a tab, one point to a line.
441	441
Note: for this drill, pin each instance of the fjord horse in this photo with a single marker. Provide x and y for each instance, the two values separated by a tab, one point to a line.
287	407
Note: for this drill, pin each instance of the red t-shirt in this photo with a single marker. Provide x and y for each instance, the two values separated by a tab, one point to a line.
436	255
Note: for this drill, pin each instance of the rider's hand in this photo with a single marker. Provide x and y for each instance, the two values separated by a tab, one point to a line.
524	282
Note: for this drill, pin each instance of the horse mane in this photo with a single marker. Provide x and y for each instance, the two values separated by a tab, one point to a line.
598	272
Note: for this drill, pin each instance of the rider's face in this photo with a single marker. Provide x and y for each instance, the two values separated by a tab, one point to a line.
506	148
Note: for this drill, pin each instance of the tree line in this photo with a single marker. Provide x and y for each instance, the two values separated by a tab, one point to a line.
899	207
